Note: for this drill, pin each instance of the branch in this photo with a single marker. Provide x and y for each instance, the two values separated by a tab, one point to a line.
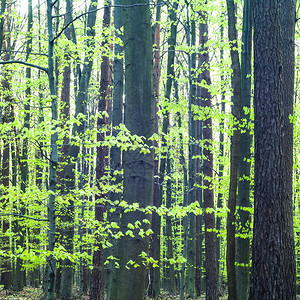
23	63
95	10
22	216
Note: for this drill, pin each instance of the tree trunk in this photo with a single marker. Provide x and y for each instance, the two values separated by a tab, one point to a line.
221	169
156	219
102	152
138	167
208	193
6	270
53	158
191	242
234	150
116	120
20	272
67	277
243	199
154	285
273	258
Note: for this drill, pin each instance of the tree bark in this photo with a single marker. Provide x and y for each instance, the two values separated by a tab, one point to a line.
243	198
102	152
208	193
273	258
156	219
234	150
138	167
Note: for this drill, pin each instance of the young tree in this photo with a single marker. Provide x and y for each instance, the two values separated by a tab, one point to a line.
273	258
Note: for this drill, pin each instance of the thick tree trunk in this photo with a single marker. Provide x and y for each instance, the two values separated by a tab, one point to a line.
208	193
138	167
273	258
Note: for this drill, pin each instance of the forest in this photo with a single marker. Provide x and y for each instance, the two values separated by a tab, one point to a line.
149	149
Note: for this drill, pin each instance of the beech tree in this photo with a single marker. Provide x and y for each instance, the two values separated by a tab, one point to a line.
129	279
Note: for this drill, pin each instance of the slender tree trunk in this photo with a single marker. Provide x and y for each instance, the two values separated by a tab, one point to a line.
221	169
53	158
64	277
243	199
6	270
199	198
273	258
208	194
102	152
154	285
3	6
156	219
138	167
20	272
170	270
234	150
191	242
67	279
116	120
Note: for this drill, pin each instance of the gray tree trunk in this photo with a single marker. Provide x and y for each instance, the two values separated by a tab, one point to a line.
53	158
138	167
234	150
156	219
243	199
116	120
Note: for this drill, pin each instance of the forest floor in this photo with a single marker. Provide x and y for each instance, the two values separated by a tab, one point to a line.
30	293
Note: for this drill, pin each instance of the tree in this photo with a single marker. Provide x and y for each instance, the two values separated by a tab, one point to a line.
243	198
234	150
138	167
273	258
208	192
102	152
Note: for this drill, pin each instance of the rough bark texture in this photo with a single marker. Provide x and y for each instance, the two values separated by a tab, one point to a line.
138	167
273	259
234	150
208	193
